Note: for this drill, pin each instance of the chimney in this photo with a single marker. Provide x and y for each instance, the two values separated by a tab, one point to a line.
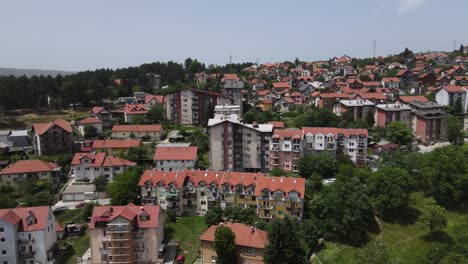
252	229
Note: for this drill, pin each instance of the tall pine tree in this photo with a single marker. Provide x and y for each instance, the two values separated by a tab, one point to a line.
284	243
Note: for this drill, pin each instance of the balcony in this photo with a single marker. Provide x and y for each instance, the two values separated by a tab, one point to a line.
27	254
26	241
266	207
105	251
111	239
266	216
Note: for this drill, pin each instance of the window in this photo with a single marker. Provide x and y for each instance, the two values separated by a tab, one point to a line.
249	251
213	259
96	169
2	239
4	252
106	169
1	229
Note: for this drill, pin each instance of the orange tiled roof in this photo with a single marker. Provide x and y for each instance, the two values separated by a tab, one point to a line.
176	153
115	144
19	215
130	212
245	235
89	120
136	128
41	128
29	166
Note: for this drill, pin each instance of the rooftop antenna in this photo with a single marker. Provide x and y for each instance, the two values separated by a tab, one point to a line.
375	45
230	63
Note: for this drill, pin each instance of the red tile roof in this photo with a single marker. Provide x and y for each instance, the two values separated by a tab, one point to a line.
164	177
276	124
454	89
263	92
240	178
282	85
96	109
334	95
375	96
130	212
175	153
89	120
41	128
230	76
19	215
137	128
411	98
283	184
29	166
135	109
115	144
245	236
391	80
207	177
335	131
159	98
296	94
101	160
58	227
401	72
291	133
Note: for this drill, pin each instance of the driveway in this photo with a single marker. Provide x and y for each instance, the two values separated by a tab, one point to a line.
171	252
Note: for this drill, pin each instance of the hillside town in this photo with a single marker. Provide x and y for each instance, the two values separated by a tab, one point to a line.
243	163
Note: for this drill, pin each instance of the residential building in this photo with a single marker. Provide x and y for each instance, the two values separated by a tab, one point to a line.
227	110
14	138
286	149
79	192
408	80
154	80
193	107
152	100
450	94
238	146
27	235
428	121
102	114
284	105
90	166
232	87
30	170
126	234
143	132
358	108
90	121
133	111
297	97
250	243
386	113
328	100
52	138
175	158
195	192
266	105
115	146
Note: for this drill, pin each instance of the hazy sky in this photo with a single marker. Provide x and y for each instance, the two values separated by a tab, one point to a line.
89	34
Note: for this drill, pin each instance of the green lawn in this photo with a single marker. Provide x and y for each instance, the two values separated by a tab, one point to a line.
79	246
405	243
187	231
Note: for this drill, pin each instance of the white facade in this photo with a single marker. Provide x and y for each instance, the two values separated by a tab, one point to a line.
443	97
175	165
98	127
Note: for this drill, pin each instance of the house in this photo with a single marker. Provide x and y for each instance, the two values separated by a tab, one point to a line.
90	166
30	170
140	97
355	84
284	104
18	138
280	87
115	146
152	100
451	94
265	95
231	87
427	79
52	138
286	149
405	99
391	83
408	79
328	100
175	158
250	243
102	114
386	113
277	124
266	105
238	146
442	81
153	80
28	235
142	132
133	111
79	192
297	97
92	122
192	107
196	191
127	234
461	80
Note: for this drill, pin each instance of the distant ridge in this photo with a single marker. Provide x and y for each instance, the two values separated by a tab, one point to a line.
31	72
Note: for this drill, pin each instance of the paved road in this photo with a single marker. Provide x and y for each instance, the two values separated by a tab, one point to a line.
426	149
171	251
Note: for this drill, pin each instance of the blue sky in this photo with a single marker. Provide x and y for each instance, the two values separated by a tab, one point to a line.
89	34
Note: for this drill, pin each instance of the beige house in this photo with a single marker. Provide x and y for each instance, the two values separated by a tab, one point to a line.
149	132
29	170
250	243
126	234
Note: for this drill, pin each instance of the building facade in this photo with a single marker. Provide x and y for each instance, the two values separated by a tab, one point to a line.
143	132
115	147
90	166
175	158
52	138
232	87
30	170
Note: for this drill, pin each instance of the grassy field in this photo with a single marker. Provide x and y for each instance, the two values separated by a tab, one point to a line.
22	119
186	231
80	245
404	242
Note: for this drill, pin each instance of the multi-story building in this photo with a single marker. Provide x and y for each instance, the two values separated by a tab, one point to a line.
408	80
115	146
194	192
250	243
52	138
126	234
238	146
449	95
358	108
286	149
30	170
90	121
90	166
27	235
175	158
232	87
193	107
143	132
102	114
132	111
428	121
387	113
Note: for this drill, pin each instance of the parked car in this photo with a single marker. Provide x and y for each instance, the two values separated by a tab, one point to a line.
61	208
180	259
80	204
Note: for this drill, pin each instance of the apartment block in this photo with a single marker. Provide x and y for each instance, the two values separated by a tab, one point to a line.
90	166
387	113
194	192
193	107
232	87
175	158
126	234
30	170
52	138
27	235
238	146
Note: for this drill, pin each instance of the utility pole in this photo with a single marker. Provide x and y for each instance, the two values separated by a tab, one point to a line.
375	46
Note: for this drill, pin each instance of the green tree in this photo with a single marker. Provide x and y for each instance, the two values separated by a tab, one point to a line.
6	201
398	133
124	189
284	243
136	153
370	119
249	117
90	132
433	216
322	163
138	120
225	245
246	216
311	231
213	216
157	114
87	211
458	107
277	171
390	188
373	253
100	183
455	131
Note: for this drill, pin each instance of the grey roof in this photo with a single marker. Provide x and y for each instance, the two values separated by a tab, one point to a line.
425	105
258	127
393	107
19	133
79	188
356	102
5	132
